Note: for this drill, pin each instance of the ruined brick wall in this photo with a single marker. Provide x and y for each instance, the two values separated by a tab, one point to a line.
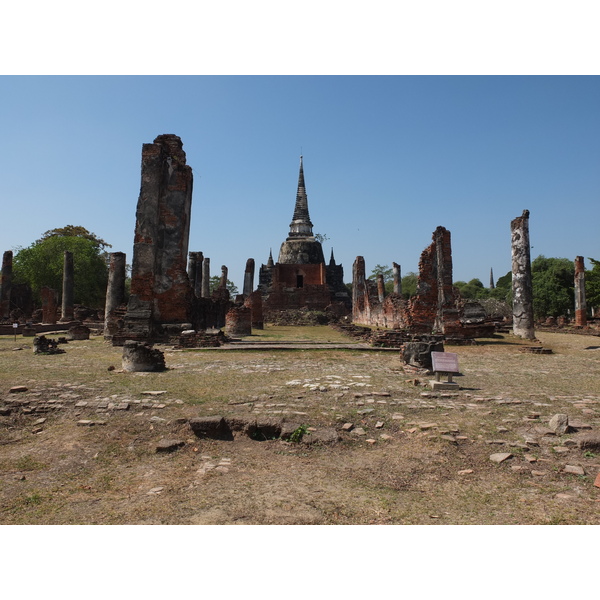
367	308
435	307
255	304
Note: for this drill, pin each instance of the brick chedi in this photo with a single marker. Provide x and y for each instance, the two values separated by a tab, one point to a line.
300	278
160	289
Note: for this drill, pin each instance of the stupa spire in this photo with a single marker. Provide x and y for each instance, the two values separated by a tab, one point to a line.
301	225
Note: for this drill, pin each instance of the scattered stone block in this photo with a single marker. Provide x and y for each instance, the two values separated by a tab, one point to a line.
559	424
465	472
500	457
359	431
574	469
597	481
321	436
385	436
347	427
17	389
169	445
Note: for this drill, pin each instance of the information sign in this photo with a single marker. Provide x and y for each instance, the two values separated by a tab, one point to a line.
445	362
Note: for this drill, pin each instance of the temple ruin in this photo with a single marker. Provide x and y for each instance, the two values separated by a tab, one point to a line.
300	278
435	309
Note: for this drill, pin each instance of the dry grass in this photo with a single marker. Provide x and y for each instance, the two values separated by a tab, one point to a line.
60	472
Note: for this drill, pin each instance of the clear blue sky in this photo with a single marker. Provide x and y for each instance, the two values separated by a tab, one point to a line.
387	159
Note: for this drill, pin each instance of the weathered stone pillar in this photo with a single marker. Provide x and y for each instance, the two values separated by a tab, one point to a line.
223	281
492	279
206	278
195	272
248	278
238	321
115	291
359	288
522	286
67	312
380	287
49	305
580	304
254	303
397	279
6	284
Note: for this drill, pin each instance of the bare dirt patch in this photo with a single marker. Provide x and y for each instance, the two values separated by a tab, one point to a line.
80	444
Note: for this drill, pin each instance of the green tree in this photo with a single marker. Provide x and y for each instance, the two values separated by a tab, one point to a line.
553	286
388	276
473	290
592	285
75	231
42	263
409	284
215	281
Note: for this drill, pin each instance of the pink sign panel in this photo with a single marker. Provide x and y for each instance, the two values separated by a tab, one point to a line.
445	362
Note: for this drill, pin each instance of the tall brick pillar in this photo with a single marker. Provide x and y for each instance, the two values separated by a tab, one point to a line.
380	287
248	278
254	303
397	279
6	284
206	278
195	272
359	288
580	304
223	281
522	287
49	305
67	312
115	291
160	288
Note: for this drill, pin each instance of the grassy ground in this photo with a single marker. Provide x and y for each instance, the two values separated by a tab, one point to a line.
423	458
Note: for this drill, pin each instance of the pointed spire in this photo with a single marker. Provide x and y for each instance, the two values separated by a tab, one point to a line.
270	262
301	225
332	259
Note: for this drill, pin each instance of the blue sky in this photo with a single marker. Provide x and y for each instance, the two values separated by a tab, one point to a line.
387	159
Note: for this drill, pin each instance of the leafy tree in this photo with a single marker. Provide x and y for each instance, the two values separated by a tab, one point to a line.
75	231
553	286
42	263
409	284
321	237
388	276
472	290
215	281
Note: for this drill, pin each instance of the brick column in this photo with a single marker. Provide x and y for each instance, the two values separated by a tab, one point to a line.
580	304
6	284
248	278
397	279
380	287
67	312
115	290
206	278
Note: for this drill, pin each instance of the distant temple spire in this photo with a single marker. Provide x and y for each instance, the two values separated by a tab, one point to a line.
270	262
332	259
301	226
491	279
